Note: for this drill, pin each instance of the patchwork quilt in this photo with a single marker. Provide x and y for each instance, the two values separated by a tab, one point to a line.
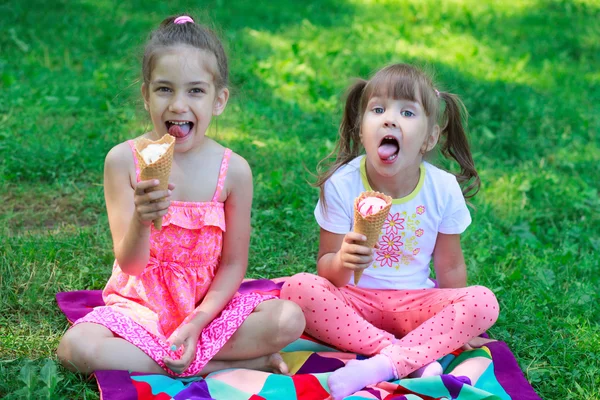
488	372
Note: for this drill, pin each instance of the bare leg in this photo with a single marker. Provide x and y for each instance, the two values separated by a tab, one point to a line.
88	347
273	325
270	363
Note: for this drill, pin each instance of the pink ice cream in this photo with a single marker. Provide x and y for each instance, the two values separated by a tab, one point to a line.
370	205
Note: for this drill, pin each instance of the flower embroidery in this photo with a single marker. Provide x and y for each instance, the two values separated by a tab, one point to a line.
420	210
393	223
412	223
406	259
419	232
386	258
416	251
390	243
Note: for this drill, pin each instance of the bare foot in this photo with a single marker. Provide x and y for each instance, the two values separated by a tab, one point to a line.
277	365
476	342
271	363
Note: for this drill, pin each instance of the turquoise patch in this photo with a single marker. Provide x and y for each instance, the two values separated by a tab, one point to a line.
306	345
222	390
278	387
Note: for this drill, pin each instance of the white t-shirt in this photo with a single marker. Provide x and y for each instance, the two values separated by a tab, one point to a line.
410	231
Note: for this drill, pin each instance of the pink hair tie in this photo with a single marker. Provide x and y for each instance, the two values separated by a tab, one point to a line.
183	19
437	92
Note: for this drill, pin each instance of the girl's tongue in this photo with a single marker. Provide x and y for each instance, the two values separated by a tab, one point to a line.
179	131
387	149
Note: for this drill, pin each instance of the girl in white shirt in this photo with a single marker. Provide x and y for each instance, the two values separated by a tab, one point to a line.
395	314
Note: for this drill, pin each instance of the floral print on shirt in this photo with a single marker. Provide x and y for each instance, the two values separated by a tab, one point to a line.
398	243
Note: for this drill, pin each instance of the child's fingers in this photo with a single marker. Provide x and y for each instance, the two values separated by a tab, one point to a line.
143	195
356	261
176	343
360	249
152	197
153	210
188	354
180	364
352	237
142	186
177	366
156	206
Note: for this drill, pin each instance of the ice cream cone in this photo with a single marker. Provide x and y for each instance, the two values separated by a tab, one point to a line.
371	225
159	169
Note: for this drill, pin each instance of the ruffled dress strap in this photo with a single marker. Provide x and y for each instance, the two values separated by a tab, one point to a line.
135	160
222	175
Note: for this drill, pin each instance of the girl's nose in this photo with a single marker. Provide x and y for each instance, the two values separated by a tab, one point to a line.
390	124
178	105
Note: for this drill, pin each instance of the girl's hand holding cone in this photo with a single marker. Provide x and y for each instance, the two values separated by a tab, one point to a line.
159	169
151	204
369	221
354	254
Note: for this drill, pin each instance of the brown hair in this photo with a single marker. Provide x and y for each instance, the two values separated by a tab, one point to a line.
403	81
190	34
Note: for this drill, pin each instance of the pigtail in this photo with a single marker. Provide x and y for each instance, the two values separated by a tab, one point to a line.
456	144
348	145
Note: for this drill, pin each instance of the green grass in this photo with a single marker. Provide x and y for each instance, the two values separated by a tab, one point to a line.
528	71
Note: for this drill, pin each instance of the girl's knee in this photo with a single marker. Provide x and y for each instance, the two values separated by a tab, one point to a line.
301	284
294	320
64	348
79	347
484	305
72	350
290	322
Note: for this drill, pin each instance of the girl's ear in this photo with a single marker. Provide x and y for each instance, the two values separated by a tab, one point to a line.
431	140
145	95
221	101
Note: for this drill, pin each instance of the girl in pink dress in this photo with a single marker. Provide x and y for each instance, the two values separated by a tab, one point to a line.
172	305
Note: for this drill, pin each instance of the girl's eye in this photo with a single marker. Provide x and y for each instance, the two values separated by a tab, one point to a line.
197	90
163	89
378	110
407	113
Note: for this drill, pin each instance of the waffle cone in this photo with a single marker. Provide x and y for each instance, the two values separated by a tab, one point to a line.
159	169
371	225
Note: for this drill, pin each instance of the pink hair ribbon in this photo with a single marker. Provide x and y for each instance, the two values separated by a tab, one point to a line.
183	19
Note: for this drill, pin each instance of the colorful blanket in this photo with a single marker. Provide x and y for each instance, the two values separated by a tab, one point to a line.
488	372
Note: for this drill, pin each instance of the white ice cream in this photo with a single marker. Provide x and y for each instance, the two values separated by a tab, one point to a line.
153	152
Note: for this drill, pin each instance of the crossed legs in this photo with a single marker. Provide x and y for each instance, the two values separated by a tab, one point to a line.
88	347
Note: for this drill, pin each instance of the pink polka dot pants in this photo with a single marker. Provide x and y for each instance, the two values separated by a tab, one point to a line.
411	327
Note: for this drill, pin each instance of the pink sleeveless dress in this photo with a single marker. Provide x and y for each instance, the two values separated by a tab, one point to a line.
184	256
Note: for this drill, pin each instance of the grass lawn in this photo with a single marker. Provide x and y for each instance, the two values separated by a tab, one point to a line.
528	71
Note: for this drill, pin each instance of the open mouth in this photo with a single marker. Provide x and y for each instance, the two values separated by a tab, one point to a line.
388	149
179	129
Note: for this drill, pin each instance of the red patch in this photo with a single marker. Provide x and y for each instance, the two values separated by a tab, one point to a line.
308	387
402	390
144	392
